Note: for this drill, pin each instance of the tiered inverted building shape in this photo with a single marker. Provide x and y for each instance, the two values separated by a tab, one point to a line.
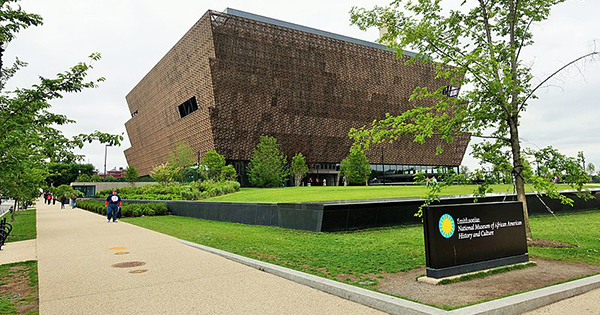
235	76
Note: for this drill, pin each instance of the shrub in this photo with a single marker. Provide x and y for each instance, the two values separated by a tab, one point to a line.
127	210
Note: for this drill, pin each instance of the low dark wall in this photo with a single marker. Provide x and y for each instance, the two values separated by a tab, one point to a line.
343	215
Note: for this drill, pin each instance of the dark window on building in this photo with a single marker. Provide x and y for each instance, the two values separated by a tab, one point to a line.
188	107
451	91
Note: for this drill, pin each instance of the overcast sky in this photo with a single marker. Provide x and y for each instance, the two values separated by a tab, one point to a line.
132	36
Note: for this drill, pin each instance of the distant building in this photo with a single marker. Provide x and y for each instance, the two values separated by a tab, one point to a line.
235	76
115	172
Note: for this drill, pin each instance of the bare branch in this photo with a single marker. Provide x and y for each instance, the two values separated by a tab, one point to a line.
595	53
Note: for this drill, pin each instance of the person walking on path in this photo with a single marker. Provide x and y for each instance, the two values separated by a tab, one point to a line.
63	201
53	199
49	198
73	201
113	202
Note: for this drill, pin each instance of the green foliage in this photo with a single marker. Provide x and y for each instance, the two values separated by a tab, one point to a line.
267	167
66	190
228	173
355	167
214	163
66	173
29	137
298	168
109	178
474	45
95	178
193	191
83	178
127	209
180	159
164	173
131	175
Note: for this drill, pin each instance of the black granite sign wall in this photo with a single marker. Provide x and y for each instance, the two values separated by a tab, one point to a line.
469	237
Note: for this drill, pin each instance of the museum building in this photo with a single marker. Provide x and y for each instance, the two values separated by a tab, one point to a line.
235	76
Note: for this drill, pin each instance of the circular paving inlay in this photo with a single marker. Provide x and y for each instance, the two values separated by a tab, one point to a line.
138	271
121	253
129	264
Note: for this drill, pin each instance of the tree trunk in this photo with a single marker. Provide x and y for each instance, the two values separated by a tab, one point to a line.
12	214
518	168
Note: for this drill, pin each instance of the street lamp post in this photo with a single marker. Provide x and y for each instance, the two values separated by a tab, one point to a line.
105	154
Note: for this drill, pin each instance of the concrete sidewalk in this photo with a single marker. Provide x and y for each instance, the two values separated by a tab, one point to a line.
77	251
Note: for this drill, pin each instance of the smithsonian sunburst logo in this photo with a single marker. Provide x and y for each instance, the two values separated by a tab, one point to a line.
447	226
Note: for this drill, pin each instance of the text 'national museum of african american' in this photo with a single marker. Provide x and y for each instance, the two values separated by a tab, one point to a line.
235	76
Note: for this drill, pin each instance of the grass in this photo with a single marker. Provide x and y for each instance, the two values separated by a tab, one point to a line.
585	229
24	226
19	288
320	193
364	254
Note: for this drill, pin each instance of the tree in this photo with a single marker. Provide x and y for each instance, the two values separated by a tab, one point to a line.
213	163
298	169
66	173
267	167
355	167
66	190
164	173
131	175
228	173
84	178
95	178
591	169
29	138
479	46
181	158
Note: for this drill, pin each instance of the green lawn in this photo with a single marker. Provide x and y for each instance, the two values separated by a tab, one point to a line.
320	193
23	227
359	253
585	227
21	278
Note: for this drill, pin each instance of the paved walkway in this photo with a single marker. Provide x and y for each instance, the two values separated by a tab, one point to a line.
77	249
584	304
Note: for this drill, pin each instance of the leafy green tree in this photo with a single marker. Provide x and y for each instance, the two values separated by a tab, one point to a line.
181	158
214	163
95	178
164	173
298	168
228	173
67	190
131	175
591	169
267	167
478	46
29	138
83	178
66	173
355	167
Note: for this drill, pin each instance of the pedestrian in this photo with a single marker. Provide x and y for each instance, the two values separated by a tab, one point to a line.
53	199
48	198
427	181
324	182
63	201
113	203
434	180
73	201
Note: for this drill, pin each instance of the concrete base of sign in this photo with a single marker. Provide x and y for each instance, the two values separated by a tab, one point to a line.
435	281
474	267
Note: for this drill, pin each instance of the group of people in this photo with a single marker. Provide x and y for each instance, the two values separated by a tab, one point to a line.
430	181
50	198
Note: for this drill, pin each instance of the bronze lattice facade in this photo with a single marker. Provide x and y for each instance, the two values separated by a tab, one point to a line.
234	77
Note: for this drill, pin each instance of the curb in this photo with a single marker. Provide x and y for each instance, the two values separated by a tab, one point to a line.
515	304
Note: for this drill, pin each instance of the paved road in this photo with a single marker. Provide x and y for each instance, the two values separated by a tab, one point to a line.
77	250
584	304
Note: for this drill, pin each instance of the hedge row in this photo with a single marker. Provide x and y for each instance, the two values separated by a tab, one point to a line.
127	210
193	191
